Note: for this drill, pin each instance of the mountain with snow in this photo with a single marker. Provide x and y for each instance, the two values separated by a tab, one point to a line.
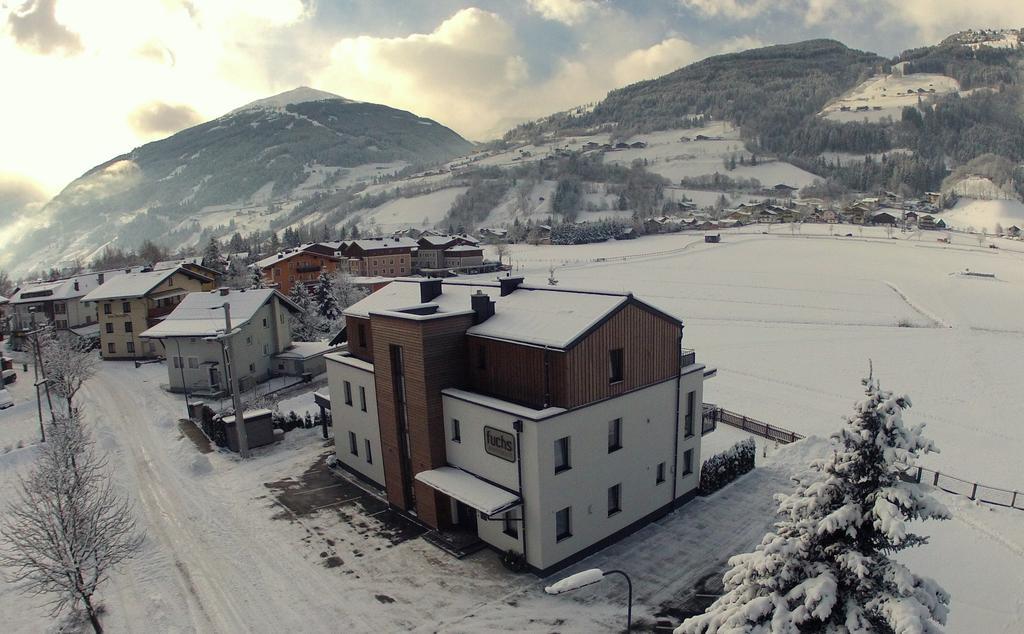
259	159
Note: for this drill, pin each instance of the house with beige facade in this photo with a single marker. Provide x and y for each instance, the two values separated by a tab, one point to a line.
132	302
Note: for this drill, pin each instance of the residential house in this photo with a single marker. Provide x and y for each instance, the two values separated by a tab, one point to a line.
292	266
785	190
380	256
940	224
58	302
831	216
1013	231
881	217
4	309
489	409
933	198
430	252
910	218
195	359
129	304
194	264
858	213
463	256
926	221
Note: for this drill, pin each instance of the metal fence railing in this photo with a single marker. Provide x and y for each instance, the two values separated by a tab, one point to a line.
950	484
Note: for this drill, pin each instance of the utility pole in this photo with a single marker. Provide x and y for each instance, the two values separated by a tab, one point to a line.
236	400
38	368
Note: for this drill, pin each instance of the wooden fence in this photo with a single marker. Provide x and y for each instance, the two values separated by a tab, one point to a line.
950	484
756	427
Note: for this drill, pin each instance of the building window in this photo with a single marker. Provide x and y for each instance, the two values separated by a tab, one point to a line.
688	462
348	393
614	499
266	348
131	347
193	363
456	431
563	524
128	326
615	365
614	435
106	309
265	323
126	307
562	455
110	328
252	367
369	454
690	400
353	446
661	473
111	348
362	335
248	341
510	524
362	398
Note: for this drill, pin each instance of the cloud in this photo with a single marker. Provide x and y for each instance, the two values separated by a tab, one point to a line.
160	119
35	27
568	12
17	194
733	9
156	52
456	73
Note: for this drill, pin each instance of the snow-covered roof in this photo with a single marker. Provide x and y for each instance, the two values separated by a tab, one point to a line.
288	253
62	289
459	248
470	490
371	244
173	264
132	285
536	315
305	349
198	315
440	241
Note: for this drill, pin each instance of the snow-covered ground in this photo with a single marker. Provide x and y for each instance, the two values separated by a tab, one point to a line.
984	215
889	93
789	318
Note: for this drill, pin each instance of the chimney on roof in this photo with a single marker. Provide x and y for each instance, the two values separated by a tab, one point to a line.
509	284
482	305
76	285
224	290
430	288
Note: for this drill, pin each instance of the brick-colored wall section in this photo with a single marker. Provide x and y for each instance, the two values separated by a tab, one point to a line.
434	353
285	273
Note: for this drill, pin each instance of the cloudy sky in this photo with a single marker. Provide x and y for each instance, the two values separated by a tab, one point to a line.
85	81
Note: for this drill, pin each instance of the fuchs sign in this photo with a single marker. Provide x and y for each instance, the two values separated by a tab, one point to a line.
500	443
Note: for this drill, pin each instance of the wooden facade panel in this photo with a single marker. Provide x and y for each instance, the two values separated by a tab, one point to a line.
355	347
650	345
433	354
510	371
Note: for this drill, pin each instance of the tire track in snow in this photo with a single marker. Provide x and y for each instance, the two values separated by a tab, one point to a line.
937	322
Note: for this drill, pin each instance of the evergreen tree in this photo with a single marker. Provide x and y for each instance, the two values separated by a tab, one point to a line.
275	243
255	277
326	305
305	325
237	244
211	256
829	566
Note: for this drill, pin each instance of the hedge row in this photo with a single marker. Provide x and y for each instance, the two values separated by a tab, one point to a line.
721	469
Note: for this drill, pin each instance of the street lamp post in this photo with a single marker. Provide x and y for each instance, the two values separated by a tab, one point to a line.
592	576
236	400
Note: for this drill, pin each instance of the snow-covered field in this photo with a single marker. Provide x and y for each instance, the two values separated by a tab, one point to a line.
790	319
889	93
984	215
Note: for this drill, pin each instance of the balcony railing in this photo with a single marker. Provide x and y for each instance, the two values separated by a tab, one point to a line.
308	268
159	311
687	358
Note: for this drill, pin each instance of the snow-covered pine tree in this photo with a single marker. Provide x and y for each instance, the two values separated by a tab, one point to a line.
344	291
211	256
828	566
326	304
305	325
255	277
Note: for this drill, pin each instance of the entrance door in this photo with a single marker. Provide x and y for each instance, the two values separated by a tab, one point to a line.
214	378
466	516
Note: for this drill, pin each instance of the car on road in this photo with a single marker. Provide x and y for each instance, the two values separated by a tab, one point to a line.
5	400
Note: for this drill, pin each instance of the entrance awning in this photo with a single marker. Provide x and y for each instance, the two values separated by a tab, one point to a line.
470	490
